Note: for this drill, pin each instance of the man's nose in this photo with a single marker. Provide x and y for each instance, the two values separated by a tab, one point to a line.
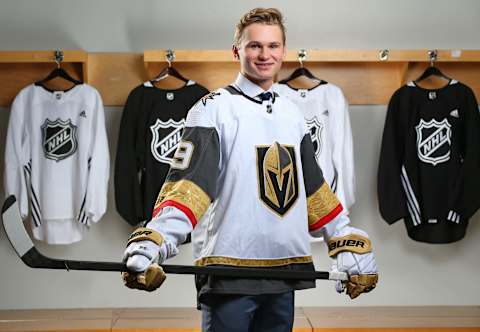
264	53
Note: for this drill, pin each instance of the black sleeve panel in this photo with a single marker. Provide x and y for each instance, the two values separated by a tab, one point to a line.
312	174
203	169
128	194
391	196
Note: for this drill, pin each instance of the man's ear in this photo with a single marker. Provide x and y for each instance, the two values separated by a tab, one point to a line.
235	52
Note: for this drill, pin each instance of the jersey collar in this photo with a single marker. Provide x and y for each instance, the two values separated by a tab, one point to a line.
249	88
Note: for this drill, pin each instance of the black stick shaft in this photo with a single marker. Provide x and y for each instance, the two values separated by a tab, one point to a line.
36	260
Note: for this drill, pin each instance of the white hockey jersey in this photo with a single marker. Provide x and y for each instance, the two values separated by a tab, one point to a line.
253	160
57	160
326	111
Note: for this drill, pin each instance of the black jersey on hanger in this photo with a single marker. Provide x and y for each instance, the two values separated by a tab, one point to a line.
429	168
152	125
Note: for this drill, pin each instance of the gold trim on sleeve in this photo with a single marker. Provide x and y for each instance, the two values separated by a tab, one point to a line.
321	203
186	193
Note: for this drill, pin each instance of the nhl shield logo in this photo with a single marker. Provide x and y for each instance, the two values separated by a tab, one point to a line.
59	139
433	141
165	138
277	177
316	127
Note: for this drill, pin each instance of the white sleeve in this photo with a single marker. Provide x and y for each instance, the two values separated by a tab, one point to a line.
342	153
17	150
99	165
173	224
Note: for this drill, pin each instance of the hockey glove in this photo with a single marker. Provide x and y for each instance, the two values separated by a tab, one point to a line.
352	251
143	254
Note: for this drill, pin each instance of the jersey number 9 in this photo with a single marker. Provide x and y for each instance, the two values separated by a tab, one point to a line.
183	155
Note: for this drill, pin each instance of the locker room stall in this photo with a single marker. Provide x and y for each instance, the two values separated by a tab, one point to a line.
419	282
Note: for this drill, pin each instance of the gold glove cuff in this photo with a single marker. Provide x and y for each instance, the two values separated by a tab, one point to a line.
149	280
362	283
353	242
144	233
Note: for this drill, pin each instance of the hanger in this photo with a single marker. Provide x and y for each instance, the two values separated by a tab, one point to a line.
169	70
58	72
432	70
301	71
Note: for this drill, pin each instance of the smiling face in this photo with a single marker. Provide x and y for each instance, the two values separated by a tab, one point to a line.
261	51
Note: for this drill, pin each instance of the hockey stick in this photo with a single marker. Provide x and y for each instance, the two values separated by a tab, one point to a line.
23	245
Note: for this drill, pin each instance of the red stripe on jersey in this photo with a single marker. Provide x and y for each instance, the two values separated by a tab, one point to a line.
181	207
326	219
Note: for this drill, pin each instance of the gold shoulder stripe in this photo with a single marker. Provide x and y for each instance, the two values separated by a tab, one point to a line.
322	206
231	261
186	193
353	242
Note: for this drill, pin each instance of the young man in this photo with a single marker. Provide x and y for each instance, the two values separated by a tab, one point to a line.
245	182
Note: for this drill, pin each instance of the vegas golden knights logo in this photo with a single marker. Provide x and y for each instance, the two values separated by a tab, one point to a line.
277	177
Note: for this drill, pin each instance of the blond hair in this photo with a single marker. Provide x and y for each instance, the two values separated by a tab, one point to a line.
269	16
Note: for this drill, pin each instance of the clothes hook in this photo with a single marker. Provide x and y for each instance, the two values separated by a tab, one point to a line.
170	56
58	57
432	54
302	56
383	55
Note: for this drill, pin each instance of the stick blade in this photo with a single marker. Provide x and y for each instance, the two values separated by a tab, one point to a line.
14	228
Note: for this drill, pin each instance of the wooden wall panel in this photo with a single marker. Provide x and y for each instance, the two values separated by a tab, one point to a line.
16	76
361	82
465	72
363	78
114	75
211	75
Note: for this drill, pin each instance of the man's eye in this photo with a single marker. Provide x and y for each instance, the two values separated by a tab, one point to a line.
254	46
274	46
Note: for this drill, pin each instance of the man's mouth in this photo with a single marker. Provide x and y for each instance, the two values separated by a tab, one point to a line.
264	65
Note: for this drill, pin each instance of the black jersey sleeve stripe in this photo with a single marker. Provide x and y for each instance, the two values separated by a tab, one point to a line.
409	188
84	218
82	206
35	212
333	185
415	215
35	202
35	215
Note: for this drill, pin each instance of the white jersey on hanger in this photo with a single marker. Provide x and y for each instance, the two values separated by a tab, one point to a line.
326	112
57	160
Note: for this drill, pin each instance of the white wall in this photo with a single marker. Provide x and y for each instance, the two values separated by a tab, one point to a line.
123	25
411	273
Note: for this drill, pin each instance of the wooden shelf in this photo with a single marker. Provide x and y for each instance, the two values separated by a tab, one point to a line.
189	56
364	78
321	56
42	56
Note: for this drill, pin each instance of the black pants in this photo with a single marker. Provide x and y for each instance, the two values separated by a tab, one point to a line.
249	313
